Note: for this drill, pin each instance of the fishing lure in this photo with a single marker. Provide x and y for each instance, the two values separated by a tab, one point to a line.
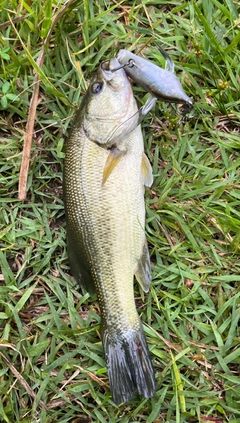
160	83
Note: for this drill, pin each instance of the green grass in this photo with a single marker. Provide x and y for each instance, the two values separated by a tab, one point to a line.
52	367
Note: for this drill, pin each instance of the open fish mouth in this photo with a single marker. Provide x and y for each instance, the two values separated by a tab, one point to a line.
107	71
105	65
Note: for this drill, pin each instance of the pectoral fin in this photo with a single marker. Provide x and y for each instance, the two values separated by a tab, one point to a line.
143	272
147	175
113	159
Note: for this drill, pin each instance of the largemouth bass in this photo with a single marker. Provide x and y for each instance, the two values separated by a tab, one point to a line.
104	177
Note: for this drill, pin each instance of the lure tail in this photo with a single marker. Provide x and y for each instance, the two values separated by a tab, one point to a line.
129	365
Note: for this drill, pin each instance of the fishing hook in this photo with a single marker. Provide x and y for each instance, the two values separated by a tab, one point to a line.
130	64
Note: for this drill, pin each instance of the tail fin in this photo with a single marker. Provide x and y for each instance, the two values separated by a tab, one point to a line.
129	365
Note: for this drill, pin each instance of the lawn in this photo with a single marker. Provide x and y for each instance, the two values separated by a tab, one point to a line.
52	367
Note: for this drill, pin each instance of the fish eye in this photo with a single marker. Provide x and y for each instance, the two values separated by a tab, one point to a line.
97	87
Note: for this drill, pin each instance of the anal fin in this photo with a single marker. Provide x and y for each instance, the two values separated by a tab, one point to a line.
143	272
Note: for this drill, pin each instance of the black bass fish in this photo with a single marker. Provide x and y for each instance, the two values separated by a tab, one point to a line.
104	176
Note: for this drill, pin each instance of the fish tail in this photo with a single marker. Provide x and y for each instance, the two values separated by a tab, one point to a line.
129	364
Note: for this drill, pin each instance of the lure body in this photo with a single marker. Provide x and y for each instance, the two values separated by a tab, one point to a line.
160	83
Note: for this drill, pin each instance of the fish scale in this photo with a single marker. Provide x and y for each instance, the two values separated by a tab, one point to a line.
99	218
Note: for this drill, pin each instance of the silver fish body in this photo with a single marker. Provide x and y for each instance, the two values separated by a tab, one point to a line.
105	214
161	83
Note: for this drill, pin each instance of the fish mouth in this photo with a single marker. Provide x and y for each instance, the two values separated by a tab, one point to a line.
109	67
105	65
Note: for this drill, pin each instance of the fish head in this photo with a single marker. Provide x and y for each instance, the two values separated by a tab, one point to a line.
109	102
